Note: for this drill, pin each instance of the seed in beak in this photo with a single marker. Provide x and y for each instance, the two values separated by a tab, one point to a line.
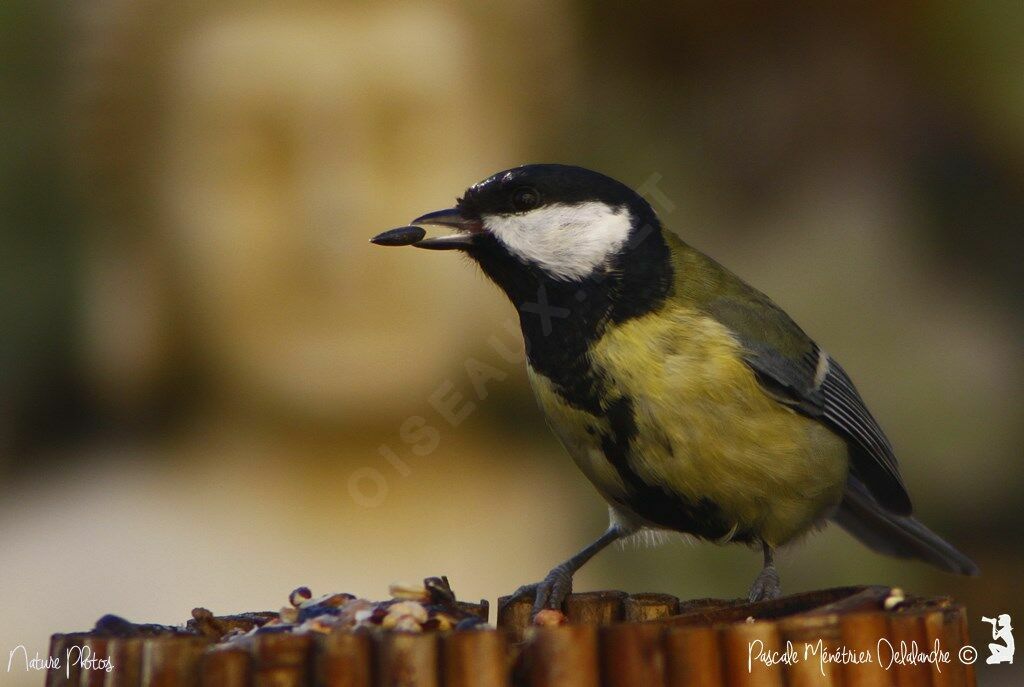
402	236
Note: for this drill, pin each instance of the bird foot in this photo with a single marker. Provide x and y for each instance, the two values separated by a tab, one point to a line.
766	586
548	593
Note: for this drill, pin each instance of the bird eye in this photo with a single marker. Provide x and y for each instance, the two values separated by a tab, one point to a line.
525	198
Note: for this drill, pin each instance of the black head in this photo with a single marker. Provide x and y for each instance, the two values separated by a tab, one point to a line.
568	222
573	250
561	239
526	188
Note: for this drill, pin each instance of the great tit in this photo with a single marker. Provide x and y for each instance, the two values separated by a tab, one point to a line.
689	399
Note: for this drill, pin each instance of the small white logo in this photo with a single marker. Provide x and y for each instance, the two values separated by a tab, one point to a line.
1001	631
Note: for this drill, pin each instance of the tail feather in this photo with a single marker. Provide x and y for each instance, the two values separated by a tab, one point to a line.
896	535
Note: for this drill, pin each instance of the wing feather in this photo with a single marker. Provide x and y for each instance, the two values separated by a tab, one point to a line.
796	372
875	462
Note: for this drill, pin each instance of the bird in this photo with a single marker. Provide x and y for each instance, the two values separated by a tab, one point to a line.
690	400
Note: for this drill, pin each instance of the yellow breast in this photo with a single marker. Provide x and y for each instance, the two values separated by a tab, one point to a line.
705	429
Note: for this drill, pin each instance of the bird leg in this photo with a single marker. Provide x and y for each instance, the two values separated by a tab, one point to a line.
766	586
553	589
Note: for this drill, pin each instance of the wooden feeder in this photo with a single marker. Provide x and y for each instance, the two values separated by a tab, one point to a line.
611	639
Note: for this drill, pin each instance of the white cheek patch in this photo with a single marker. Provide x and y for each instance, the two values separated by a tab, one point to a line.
566	241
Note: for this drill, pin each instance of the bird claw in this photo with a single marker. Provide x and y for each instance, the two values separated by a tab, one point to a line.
766	586
527	591
548	593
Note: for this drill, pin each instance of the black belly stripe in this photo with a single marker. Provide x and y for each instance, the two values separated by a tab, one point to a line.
656	504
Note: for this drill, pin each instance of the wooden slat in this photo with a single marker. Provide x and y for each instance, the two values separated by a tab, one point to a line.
815	638
408	660
171	661
282	659
63	675
595	608
514	617
633	654
93	676
476	658
226	668
126	654
563	656
906	630
693	657
343	660
741	644
641	607
860	633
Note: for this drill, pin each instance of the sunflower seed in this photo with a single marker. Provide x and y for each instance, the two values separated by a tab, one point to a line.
402	236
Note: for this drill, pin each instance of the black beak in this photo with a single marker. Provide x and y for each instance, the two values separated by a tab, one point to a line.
468	229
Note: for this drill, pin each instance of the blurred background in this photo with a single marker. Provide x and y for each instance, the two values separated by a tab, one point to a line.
213	389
